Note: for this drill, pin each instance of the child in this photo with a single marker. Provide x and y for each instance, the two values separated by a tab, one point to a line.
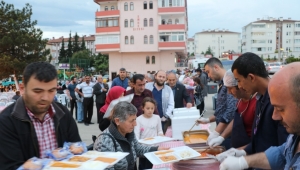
147	125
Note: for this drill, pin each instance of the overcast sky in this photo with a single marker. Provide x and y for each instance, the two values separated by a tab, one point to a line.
58	17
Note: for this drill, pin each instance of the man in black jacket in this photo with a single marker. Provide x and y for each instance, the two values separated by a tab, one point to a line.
179	92
34	123
100	90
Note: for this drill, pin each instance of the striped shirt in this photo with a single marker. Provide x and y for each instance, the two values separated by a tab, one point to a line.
87	89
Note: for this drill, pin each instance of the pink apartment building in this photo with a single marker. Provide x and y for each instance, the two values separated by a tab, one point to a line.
142	36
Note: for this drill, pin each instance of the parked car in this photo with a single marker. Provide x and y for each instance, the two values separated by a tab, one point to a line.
273	67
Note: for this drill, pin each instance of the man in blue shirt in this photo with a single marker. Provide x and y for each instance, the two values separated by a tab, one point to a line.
226	103
121	80
284	92
71	95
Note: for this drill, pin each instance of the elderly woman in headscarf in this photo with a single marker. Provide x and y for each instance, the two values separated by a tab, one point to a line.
120	137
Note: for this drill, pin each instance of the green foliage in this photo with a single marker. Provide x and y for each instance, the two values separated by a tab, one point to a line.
50	58
292	59
83	47
192	54
268	59
81	59
274	58
276	51
62	53
20	42
70	48
202	52
209	51
76	47
101	63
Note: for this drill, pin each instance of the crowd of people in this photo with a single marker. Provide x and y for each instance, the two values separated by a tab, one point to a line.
257	116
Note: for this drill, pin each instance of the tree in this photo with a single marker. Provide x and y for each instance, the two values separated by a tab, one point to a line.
83	47
268	58
50	58
76	47
81	59
209	52
192	54
70	48
274	58
62	53
202	52
101	63
20	42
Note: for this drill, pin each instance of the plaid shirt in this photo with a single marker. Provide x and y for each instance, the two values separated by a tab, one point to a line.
45	131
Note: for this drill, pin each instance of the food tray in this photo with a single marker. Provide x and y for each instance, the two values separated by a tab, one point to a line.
212	151
180	153
114	155
89	165
155	140
195	137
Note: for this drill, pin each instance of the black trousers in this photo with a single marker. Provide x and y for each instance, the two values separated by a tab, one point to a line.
99	116
145	164
73	104
88	104
200	107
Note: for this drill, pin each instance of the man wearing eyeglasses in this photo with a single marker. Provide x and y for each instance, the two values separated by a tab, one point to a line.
249	70
241	126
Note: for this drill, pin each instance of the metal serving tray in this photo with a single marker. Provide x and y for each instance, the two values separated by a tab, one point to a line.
190	137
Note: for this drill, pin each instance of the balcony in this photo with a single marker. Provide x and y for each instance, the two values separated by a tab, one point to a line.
107	29
181	64
107	47
171	10
110	13
171	45
171	27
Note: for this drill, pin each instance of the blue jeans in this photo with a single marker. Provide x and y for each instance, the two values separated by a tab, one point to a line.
79	111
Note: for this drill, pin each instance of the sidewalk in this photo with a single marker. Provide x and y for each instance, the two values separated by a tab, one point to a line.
86	132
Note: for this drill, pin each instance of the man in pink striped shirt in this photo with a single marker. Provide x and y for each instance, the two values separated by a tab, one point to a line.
35	123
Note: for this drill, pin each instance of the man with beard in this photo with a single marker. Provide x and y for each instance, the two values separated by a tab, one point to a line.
163	95
225	105
284	92
34	123
88	101
251	75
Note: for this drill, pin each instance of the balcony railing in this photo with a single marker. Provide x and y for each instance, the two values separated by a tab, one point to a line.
107	29
171	10
108	13
172	27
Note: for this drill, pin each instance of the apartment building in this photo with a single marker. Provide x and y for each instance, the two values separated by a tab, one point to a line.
266	36
54	45
142	36
220	41
190	46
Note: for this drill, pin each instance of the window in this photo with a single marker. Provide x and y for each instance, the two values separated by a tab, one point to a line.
125	6
297	25
269	48
288	25
153	59
126	23
297	41
258	49
145	39
163	21
147	60
145	5
145	22
106	39
106	8
170	3
131	23
163	3
288	33
151	39
297	32
131	6
112	8
296	48
126	39
151	22
107	22
169	21
176	21
150	5
270	41
131	40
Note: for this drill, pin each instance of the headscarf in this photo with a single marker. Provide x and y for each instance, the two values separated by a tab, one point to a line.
114	93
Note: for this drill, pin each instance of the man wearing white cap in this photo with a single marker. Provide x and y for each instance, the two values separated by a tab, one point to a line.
240	127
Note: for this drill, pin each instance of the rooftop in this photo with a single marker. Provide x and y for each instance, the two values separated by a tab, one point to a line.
209	31
59	40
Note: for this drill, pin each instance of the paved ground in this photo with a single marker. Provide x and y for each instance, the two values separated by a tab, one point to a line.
86	132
